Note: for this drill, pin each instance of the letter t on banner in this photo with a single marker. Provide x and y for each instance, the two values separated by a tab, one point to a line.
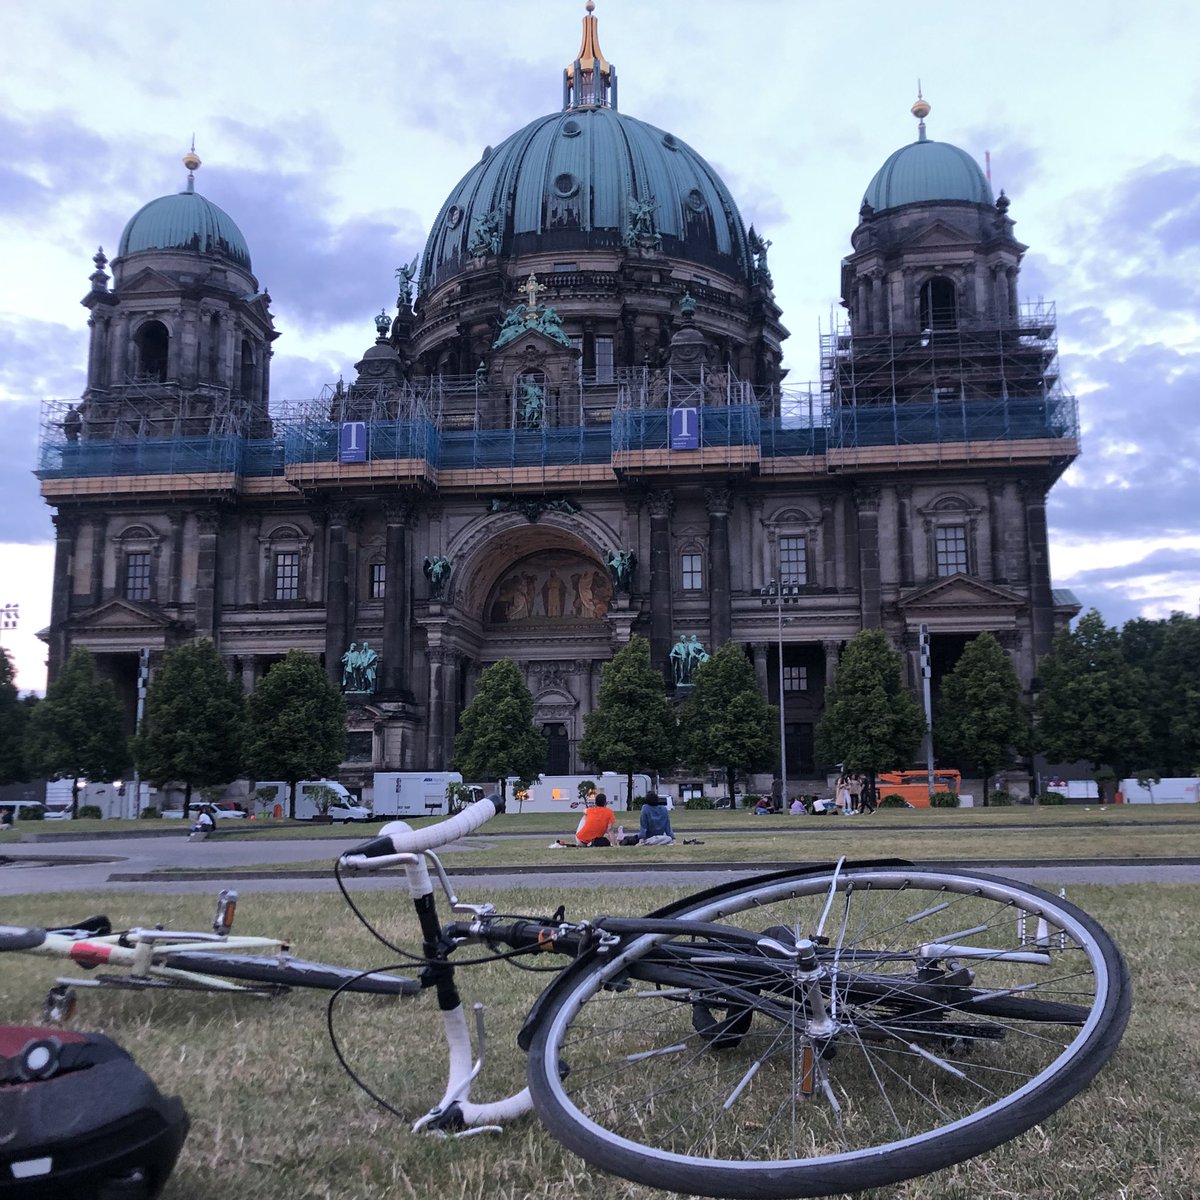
352	447
685	429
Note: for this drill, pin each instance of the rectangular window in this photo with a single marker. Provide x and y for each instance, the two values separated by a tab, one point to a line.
137	576
565	268
950	548
287	576
795	679
793	561
359	745
693	572
378	580
604	360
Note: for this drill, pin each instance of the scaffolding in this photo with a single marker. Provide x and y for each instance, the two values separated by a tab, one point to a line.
982	383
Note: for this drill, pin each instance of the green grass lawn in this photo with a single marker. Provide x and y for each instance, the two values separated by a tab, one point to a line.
274	1117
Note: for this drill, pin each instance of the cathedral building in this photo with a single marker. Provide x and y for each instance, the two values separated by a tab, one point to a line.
574	427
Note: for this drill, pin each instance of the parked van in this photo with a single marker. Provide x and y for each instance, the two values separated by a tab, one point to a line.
414	793
343	808
560	793
17	810
913	786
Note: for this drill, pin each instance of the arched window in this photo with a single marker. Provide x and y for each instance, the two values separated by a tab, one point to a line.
939	303
152	341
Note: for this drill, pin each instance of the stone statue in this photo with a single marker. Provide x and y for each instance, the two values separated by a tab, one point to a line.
487	236
687	305
621	565
404	280
533	403
511	327
550	324
359	669
437	571
679	661
639	229
696	654
72	424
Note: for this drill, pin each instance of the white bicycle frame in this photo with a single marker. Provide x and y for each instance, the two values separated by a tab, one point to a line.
399	844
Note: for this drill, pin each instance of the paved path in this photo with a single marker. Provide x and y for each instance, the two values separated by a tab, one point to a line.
109	863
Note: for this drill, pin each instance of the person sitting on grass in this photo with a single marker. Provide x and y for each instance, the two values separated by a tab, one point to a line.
596	824
797	808
655	827
762	807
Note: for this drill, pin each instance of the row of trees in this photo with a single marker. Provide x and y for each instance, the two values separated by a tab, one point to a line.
1127	702
724	722
197	730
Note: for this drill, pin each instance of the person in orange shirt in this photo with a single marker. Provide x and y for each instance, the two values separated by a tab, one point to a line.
597	822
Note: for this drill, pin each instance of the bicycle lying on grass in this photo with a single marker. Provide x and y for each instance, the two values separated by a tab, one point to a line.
823	1029
169	959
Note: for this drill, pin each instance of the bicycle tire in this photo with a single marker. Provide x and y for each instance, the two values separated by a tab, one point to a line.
624	1076
291	972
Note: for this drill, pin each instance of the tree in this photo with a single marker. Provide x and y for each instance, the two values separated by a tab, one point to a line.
78	730
295	724
726	721
14	719
872	722
194	721
980	715
497	737
634	725
1173	697
1091	705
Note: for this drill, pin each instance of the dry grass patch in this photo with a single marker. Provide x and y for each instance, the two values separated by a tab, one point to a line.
274	1117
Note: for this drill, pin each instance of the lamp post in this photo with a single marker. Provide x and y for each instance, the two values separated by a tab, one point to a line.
776	590
926	671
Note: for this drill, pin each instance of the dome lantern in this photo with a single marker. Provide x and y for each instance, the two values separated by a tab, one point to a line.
591	80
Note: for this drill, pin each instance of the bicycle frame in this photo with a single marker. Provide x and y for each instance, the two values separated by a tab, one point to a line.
145	953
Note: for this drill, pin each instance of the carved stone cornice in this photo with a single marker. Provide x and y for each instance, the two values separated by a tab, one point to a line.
866	499
208	521
66	526
402	510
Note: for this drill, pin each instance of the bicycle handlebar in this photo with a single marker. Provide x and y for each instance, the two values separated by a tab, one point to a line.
399	838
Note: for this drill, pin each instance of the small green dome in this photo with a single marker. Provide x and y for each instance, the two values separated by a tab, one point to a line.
926	171
578	180
186	221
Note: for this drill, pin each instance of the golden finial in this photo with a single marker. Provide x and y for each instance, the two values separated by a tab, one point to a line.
191	159
920	109
595	70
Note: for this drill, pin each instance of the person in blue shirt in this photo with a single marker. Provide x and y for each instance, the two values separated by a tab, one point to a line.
655	828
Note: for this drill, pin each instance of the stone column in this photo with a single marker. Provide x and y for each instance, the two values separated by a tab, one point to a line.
65	529
208	524
337	587
995	491
904	533
661	504
720	613
249	673
757	578
831	647
829	580
99	539
398	515
438	658
760	667
1041	601
867	505
175	565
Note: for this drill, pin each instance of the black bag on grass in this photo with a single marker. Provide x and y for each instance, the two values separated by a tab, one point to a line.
82	1121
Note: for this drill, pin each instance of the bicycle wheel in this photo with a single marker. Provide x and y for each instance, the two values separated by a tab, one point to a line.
958	1010
291	972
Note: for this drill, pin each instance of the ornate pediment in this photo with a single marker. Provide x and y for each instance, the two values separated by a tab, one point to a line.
959	592
119	615
148	281
939	233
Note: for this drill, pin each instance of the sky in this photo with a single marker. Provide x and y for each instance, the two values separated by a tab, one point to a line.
332	133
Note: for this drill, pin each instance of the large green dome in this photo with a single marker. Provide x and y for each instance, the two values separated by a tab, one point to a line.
186	221
576	180
926	171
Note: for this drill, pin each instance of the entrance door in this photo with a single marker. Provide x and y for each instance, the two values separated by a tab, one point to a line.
558	756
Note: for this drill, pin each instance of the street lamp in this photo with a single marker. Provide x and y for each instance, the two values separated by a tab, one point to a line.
776	590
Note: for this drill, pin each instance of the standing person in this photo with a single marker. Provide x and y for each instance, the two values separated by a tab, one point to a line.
597	823
854	789
655	826
841	794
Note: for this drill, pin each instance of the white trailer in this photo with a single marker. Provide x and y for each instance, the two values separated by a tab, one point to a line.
560	793
276	802
1165	791
412	793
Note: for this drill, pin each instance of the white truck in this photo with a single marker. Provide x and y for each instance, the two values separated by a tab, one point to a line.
1180	790
343	808
414	793
560	793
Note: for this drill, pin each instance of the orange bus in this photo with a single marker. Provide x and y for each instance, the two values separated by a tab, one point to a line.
914	785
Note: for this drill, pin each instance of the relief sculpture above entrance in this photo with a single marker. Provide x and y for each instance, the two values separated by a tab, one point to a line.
554	585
